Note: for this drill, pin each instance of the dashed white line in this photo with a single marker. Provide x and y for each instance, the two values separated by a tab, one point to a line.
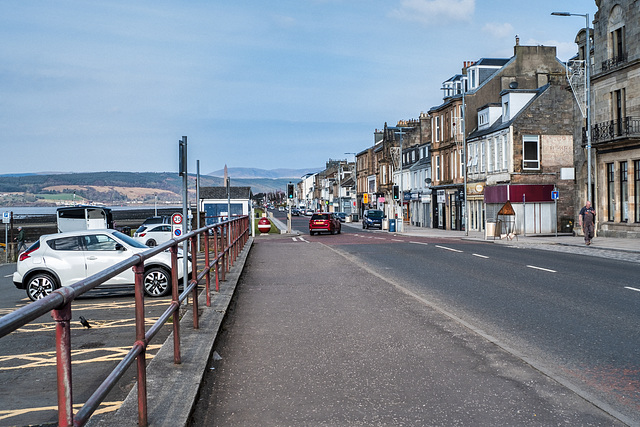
448	249
8	275
397	240
632	289
419	243
480	256
540	268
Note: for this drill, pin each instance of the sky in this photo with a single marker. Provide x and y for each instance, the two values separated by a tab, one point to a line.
114	85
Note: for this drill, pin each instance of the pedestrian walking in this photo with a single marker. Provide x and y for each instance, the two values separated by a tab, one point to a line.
22	244
587	219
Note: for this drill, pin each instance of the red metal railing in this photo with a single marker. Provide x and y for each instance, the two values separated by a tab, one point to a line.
234	234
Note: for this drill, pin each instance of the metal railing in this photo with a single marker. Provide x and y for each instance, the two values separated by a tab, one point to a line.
228	237
609	130
614	62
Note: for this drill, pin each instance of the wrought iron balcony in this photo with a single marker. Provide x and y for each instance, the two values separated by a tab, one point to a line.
614	62
608	131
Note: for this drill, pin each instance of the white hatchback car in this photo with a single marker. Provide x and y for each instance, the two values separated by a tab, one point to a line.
63	259
154	234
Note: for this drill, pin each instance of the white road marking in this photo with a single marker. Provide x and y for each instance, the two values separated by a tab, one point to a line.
9	275
380	238
633	289
394	240
448	249
420	243
480	256
540	268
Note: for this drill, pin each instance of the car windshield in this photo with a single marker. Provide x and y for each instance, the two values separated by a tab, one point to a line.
129	241
375	214
320	217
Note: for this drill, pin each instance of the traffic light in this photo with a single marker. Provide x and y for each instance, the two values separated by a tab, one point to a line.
290	191
396	192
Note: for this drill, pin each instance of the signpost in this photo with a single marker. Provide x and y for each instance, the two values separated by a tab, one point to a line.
555	194
176	225
5	220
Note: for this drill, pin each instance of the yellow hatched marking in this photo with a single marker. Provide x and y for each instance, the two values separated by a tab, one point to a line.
78	357
83	306
95	324
102	409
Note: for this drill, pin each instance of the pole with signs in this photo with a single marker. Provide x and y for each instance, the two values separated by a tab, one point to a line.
555	194
5	220
185	215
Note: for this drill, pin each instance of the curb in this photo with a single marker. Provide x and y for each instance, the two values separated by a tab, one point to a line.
172	389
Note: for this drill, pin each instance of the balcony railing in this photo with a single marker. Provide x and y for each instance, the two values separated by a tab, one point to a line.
610	130
614	62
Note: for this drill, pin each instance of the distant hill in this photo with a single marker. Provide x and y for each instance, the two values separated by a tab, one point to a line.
250	173
115	187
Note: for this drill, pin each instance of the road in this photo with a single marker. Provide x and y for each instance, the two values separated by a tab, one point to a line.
572	317
27	356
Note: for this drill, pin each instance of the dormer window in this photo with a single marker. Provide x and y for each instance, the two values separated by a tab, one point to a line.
505	111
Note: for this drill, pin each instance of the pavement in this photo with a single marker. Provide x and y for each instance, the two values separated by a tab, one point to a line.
349	348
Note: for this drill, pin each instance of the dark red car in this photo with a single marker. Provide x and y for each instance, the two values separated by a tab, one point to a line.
326	222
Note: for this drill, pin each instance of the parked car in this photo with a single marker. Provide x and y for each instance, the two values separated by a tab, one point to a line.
63	259
324	222
308	212
342	217
372	218
153	235
152	220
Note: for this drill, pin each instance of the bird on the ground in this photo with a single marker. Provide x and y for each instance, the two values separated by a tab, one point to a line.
85	323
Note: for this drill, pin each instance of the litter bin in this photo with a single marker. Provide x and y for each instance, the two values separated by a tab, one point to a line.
385	224
392	226
490	230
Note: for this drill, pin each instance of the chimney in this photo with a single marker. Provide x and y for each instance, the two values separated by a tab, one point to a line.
517	40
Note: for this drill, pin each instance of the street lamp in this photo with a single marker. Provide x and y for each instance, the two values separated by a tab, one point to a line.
587	90
355	176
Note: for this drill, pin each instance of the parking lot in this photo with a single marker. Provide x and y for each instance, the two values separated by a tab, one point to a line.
27	356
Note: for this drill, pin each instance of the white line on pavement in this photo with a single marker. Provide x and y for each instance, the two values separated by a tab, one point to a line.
8	275
540	268
633	289
448	249
480	256
420	243
397	240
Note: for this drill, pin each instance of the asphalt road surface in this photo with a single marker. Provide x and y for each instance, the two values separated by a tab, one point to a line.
27	356
573	317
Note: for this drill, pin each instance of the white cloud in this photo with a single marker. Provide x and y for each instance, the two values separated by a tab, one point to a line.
435	11
499	30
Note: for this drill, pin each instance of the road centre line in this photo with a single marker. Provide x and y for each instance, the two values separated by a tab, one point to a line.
632	289
397	240
540	268
480	256
448	249
420	243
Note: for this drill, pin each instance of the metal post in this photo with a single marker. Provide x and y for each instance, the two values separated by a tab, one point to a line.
464	155
215	251
208	267
198	202
194	273
588	95
140	340
175	299
62	318
524	215
185	212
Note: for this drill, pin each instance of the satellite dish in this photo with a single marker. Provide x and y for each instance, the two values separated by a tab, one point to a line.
513	85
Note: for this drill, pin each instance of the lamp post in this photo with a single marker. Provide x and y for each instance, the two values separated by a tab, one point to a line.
355	177
587	89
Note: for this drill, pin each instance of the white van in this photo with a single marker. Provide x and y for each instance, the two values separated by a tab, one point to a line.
75	218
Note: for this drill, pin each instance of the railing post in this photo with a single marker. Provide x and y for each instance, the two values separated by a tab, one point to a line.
208	267
138	269
175	299
62	318
194	277
217	254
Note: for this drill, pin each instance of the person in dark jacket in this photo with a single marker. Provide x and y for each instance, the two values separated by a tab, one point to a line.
587	220
22	243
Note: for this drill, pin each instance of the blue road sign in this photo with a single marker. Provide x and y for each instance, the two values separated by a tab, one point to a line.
555	195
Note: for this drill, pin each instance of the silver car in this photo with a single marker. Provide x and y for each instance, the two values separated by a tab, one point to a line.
63	259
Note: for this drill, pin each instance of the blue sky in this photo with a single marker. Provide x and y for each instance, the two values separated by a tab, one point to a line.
113	85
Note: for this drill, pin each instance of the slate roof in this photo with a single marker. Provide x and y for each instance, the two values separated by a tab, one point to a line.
221	192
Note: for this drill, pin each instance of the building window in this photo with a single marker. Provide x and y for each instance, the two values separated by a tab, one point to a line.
505	153
437	168
461	164
611	202
437	129
482	156
499	153
636	186
530	152
624	192
617	43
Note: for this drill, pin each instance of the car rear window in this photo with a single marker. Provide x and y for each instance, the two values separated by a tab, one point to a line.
65	244
375	214
320	217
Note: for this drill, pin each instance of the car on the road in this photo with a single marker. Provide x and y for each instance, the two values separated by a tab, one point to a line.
324	222
280	208
153	235
372	218
63	259
308	212
342	217
295	212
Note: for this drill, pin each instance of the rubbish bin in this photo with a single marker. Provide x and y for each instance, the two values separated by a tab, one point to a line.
392	226
385	224
490	230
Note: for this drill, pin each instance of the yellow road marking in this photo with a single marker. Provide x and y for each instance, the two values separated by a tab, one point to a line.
79	306
48	358
102	409
95	324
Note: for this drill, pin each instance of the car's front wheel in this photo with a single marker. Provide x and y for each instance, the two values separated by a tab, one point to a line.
41	285
151	243
157	282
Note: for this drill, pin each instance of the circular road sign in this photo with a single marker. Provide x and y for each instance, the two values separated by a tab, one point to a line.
176	218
